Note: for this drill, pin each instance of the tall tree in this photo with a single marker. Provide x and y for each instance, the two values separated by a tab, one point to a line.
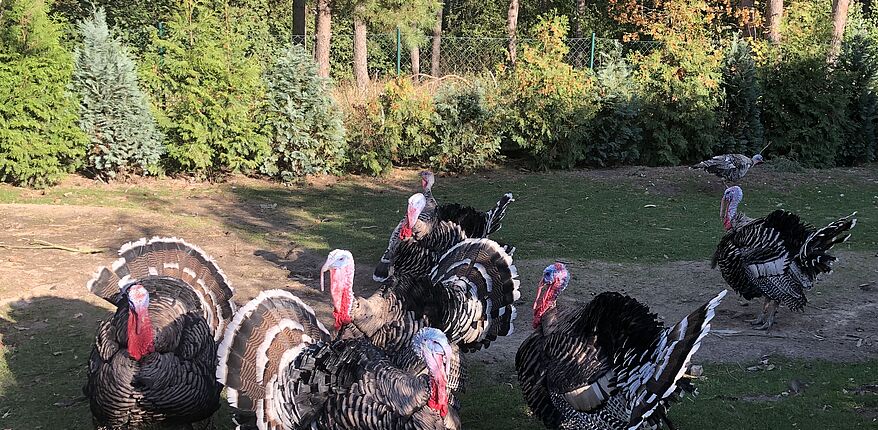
579	30
415	52
747	16
839	19
511	25
435	56
299	18
324	33
773	18
361	73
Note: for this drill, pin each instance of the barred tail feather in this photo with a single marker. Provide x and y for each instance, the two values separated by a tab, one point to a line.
813	256
175	258
481	286
265	336
384	269
495	216
659	378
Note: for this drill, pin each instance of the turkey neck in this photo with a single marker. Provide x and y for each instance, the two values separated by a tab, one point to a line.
140	334
438	393
342	294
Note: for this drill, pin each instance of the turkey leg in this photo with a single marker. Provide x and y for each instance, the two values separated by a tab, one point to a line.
769	318
761	318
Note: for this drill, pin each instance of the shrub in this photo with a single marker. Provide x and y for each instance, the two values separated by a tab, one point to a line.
804	107
858	65
679	84
114	113
614	135
307	134
39	139
464	138
209	85
544	98
741	116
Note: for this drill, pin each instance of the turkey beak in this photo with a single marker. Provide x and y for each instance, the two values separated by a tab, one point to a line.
323	270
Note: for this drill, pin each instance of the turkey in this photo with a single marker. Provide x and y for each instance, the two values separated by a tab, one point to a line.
777	257
608	365
474	223
154	362
730	167
282	370
426	219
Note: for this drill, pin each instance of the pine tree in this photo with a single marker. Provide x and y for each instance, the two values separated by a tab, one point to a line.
741	113
308	135
208	83
39	140
114	112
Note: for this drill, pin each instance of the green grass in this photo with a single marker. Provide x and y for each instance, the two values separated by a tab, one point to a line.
729	397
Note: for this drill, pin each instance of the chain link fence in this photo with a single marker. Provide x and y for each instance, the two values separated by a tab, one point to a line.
460	55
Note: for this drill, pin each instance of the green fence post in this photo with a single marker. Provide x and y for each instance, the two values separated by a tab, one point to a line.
398	50
591	61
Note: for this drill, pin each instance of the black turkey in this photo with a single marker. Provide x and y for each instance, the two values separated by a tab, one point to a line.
474	223
282	370
427	221
608	365
154	362
730	167
777	257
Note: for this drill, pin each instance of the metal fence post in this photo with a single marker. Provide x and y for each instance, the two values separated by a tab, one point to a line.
398	50
591	61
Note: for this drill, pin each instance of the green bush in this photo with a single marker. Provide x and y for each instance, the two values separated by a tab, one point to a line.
614	136
39	139
741	116
114	113
209	86
858	63
307	132
543	99
464	137
805	104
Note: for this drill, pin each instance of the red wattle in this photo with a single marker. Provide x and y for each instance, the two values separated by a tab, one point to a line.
140	335
405	232
438	397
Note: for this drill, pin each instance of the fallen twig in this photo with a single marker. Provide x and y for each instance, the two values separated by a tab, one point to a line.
42	244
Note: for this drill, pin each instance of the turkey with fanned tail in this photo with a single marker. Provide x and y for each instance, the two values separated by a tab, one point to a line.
154	362
282	370
777	257
431	225
608	365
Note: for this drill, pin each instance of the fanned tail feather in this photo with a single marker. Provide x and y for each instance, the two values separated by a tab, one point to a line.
481	286
266	335
813	256
659	378
175	258
495	216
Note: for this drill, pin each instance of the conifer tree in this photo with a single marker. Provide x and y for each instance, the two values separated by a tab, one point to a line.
114	112
308	135
39	140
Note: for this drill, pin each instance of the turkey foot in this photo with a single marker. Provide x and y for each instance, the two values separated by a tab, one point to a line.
761	318
769	316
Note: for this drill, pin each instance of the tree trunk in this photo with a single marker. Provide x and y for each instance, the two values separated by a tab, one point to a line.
748	7
299	21
416	63
773	18
839	19
361	72
435	56
511	24
324	33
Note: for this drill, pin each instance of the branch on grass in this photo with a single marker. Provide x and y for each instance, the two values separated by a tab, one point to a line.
42	244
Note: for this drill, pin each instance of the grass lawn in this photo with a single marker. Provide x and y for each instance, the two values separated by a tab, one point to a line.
666	215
